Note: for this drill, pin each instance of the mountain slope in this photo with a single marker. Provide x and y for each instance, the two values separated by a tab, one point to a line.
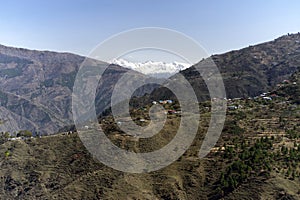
250	71
36	88
257	157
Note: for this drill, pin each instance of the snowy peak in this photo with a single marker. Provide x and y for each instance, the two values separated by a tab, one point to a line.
153	68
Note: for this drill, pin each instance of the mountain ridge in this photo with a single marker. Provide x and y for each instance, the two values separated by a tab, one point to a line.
47	78
247	72
156	69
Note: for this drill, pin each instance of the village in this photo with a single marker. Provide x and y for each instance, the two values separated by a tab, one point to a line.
172	108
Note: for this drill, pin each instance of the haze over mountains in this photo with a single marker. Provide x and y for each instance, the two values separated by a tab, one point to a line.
36	86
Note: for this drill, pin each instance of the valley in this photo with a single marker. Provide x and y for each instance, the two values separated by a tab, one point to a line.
256	157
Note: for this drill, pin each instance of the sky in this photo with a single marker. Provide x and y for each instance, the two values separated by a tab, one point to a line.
78	26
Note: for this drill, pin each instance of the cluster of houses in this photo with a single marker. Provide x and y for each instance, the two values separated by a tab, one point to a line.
267	96
19	138
171	112
233	107
285	82
163	102
167	101
15	137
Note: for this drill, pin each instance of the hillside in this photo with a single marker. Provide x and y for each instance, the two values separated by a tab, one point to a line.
36	89
250	71
257	157
36	86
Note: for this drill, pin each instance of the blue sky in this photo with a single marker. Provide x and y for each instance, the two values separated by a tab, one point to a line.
78	26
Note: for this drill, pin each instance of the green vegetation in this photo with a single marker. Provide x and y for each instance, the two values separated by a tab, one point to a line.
10	73
3	98
247	161
48	83
232	127
24	133
7	153
6	59
16	71
67	80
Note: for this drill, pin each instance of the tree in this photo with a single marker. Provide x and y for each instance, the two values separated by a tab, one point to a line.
24	133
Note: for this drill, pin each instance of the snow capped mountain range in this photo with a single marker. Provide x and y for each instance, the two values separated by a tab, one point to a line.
153	68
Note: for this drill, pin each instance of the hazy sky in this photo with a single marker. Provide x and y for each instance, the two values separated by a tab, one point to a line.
79	25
